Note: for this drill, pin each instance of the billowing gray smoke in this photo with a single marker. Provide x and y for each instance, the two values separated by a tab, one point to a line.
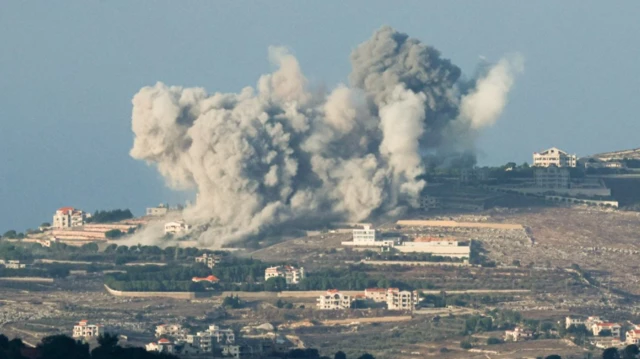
284	154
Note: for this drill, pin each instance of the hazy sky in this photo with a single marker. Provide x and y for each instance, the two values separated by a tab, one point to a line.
68	73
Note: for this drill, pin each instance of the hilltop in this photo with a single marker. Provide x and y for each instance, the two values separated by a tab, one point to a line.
618	155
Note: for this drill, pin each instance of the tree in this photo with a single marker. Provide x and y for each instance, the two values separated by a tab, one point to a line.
113	234
108	340
465	344
63	347
275	284
553	356
366	356
10	234
630	352
611	353
90	247
340	355
605	333
493	341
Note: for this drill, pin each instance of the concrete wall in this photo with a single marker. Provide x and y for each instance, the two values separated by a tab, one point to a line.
174	295
418	223
582	201
445	251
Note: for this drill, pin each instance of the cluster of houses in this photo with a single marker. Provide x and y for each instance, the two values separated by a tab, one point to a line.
12	264
605	334
608	333
393	298
214	341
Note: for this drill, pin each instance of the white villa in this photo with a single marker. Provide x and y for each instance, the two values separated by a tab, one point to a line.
291	274
554	156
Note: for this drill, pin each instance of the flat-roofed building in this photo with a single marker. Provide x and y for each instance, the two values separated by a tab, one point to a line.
333	300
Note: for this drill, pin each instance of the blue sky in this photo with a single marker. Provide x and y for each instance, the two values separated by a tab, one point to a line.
68	73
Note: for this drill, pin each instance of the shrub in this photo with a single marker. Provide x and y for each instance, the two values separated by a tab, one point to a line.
466	344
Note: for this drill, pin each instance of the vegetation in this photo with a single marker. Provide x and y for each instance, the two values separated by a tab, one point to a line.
110	216
113	234
353	278
232	302
494	341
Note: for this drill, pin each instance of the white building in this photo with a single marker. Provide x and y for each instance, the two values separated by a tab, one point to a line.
292	275
378	295
518	334
174	330
161	210
554	156
214	336
552	177
445	247
209	260
401	299
176	227
614	328
333	299
162	346
13	264
85	330
67	217
366	235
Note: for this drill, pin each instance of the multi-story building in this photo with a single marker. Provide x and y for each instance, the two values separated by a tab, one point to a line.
613	328
364	236
333	299
161	210
176	227
85	330
378	295
552	177
401	299
210	338
209	260
291	274
161	346
554	156
67	217
173	330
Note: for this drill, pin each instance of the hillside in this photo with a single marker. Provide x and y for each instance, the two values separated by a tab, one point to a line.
618	155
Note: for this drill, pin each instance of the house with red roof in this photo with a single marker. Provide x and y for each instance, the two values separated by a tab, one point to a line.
599	328
163	345
633	337
84	330
210	279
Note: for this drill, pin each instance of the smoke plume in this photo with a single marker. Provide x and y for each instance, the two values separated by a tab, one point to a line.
283	154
